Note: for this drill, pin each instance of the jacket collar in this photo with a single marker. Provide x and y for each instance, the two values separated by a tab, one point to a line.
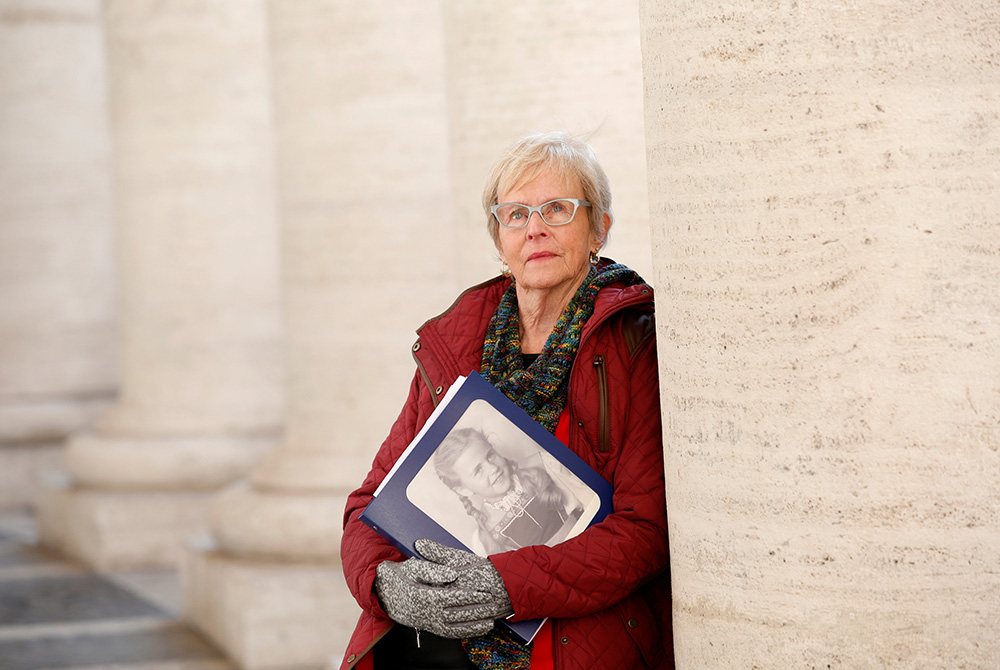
456	335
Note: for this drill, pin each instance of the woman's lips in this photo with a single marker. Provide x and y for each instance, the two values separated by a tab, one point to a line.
540	255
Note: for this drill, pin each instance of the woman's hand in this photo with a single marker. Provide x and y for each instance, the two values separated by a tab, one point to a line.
471	572
428	596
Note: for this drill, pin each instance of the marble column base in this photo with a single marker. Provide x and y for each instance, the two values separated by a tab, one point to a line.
267	614
107	460
32	432
112	530
287	525
49	419
24	466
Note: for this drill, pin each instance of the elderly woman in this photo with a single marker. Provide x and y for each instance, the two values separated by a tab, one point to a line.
569	337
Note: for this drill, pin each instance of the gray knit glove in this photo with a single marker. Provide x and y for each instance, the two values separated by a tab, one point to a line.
472	572
424	595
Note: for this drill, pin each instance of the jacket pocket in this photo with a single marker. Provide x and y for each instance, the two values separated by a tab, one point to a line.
640	624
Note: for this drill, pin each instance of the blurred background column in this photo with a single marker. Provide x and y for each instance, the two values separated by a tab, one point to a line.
367	256
57	304
524	66
825	199
201	395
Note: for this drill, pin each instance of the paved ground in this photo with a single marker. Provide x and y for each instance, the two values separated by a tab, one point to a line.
54	615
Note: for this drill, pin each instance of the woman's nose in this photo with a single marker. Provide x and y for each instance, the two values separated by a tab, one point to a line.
535	225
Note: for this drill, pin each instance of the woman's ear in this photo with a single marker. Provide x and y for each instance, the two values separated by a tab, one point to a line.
606	221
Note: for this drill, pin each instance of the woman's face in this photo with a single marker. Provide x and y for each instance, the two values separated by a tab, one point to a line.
544	257
483	472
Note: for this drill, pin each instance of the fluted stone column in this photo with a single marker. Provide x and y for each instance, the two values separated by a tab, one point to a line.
522	67
825	197
201	395
57	310
364	205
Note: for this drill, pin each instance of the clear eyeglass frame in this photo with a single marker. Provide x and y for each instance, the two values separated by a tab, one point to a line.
577	203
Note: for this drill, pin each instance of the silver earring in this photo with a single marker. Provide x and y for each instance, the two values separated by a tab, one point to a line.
504	269
594	258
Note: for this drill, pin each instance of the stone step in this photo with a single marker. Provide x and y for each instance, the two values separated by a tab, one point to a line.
55	615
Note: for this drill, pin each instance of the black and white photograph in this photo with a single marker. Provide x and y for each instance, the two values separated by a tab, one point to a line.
495	489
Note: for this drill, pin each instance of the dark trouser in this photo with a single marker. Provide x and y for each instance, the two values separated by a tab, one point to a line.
398	650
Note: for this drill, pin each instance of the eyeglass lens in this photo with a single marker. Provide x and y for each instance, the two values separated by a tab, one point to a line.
554	213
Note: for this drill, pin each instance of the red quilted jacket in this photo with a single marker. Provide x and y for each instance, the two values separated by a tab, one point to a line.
607	590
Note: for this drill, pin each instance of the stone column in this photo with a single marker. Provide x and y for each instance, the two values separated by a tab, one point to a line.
364	207
201	395
57	311
825	196
522	66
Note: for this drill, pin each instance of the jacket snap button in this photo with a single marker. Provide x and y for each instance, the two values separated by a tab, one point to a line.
633	623
416	347
350	659
565	640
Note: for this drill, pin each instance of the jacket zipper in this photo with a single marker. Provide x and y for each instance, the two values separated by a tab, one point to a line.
604	414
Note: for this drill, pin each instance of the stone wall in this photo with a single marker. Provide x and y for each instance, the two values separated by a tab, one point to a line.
825	196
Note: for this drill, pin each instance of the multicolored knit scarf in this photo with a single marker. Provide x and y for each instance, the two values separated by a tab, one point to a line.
497	651
540	390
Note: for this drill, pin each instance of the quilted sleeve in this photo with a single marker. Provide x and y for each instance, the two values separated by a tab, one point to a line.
361	548
609	560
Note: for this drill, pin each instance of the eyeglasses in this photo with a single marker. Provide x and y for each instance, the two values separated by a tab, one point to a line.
554	212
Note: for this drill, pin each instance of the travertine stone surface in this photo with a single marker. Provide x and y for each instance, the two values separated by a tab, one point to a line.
521	67
24	469
279	523
197	246
121	530
363	171
57	308
362	164
272	615
824	197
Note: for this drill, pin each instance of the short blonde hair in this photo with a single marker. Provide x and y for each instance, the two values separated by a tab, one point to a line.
529	156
